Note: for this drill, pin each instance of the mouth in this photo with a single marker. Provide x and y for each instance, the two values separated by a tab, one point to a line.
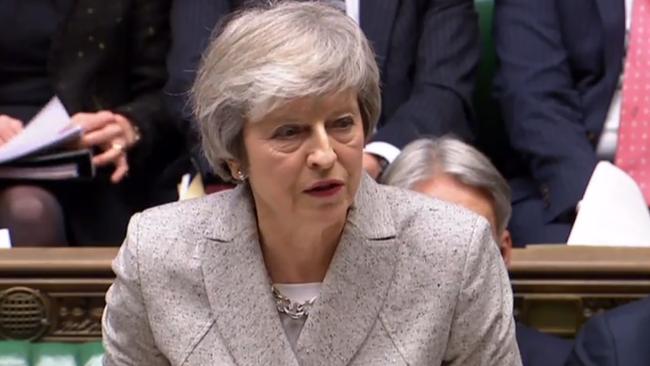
325	188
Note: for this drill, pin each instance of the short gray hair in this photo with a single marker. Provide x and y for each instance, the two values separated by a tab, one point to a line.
423	159
265	57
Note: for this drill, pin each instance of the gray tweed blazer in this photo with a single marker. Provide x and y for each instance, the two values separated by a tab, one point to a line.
414	281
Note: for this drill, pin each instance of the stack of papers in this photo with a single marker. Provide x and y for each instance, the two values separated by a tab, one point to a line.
22	157
612	212
52	126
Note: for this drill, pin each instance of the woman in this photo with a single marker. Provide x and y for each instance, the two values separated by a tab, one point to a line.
105	61
307	261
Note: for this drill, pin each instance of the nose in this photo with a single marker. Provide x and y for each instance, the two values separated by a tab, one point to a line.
321	154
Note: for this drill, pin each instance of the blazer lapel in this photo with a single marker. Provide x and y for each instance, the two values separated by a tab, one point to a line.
376	20
355	286
238	287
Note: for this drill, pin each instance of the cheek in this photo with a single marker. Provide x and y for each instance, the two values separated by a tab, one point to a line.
356	149
272	167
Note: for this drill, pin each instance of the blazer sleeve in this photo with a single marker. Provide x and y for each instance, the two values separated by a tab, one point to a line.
594	345
148	47
541	108
483	326
127	336
444	76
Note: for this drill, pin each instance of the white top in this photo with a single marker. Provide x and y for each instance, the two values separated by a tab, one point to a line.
298	292
606	149
352	9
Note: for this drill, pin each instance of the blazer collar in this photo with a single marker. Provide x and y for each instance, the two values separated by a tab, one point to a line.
235	214
356	283
353	291
376	20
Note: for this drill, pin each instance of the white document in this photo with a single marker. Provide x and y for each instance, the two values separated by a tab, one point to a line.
612	212
190	187
52	126
5	239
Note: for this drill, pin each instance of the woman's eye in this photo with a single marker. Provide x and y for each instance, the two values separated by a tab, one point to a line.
286	132
343	123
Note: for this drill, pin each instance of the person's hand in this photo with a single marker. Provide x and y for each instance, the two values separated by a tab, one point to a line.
371	165
113	134
9	127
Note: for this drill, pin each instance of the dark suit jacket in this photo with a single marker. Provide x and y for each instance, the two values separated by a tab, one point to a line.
560	63
618	337
539	349
111	55
427	51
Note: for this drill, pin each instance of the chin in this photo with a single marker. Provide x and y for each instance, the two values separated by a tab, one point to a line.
328	211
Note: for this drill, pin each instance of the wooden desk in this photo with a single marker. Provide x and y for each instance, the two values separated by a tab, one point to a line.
558	287
53	294
57	294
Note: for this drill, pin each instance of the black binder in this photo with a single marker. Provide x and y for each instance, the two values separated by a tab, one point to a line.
64	165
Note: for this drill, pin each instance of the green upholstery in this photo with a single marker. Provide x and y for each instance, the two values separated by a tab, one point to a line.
18	353
488	64
491	131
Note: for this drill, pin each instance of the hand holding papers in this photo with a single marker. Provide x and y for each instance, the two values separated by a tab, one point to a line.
51	127
612	211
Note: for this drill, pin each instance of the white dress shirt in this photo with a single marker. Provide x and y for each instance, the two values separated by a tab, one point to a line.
606	149
352	9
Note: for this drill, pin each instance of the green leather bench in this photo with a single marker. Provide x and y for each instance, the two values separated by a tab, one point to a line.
20	353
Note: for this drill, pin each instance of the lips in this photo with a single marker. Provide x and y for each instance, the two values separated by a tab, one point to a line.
324	188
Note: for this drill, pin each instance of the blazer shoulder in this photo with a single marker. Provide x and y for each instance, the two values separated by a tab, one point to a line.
427	223
186	212
616	337
177	224
629	322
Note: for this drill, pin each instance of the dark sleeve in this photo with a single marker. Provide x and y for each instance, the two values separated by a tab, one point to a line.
148	46
445	66
541	108
540	349
594	345
192	22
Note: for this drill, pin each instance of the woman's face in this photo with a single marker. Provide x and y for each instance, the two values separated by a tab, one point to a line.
305	157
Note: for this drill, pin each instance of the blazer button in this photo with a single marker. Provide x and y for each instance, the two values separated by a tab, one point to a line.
546	195
591	137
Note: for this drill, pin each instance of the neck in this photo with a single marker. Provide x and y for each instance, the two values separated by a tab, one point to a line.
297	252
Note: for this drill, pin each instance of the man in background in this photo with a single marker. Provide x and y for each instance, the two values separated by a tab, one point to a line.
573	88
450	170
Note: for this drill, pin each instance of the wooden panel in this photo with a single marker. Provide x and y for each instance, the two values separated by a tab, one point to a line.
53	294
557	288
57	294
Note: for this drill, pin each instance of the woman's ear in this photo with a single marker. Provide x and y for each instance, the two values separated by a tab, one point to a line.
236	170
234	167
